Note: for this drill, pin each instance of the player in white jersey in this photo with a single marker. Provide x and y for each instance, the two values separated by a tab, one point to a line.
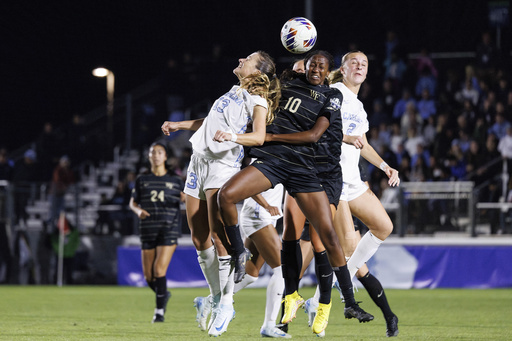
212	164
357	198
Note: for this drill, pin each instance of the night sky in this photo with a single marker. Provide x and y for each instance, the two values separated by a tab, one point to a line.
48	48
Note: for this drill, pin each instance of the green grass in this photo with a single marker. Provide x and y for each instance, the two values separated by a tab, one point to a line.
124	313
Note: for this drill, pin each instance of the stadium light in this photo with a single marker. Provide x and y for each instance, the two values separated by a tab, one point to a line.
103	72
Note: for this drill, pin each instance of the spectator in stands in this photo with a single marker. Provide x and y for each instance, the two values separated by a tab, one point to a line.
487	55
429	132
480	131
389	92
505	148
379	115
462	141
456	163
426	105
394	69
48	148
400	105
426	81
425	61
500	126
502	89
410	119
62	178
24	176
468	93
396	138
412	141
76	144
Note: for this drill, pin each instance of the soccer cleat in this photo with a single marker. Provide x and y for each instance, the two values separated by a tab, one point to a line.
283	327
310	308
292	303
214	303
274	332
392	326
357	312
158	318
167	297
203	308
223	315
321	318
239	264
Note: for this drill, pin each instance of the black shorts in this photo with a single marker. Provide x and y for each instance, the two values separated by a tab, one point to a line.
151	237
297	180
332	187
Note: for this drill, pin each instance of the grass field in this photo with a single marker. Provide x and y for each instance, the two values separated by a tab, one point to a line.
124	313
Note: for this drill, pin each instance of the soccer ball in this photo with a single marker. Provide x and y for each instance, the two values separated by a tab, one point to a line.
298	35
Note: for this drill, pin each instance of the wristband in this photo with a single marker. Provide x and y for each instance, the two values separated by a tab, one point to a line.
383	166
233	137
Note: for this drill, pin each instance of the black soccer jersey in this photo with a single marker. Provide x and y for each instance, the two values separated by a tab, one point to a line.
300	106
160	196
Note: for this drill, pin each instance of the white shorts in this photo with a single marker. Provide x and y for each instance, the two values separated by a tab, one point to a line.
203	174
350	192
253	217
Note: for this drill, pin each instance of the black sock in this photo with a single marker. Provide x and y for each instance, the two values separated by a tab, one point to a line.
151	285
235	238
343	277
376	292
323	271
161	291
291	261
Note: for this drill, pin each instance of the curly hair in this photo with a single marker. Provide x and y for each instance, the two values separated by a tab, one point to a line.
265	84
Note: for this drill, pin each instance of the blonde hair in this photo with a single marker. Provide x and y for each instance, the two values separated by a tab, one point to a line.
337	76
265	84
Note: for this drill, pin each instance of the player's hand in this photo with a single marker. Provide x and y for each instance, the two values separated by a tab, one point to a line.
392	174
221	136
169	127
356	141
143	214
273	210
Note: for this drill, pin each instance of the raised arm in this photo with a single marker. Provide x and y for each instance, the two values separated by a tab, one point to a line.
170	126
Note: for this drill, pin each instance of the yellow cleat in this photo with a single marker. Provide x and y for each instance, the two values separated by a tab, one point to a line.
292	303
321	318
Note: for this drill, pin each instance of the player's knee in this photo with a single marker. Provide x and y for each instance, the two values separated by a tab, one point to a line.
226	197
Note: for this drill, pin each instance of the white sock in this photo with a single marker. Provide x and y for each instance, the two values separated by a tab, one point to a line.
159	312
365	249
275	291
210	266
246	281
227	281
316	297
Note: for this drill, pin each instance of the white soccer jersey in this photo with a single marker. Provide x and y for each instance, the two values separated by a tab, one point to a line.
230	113
355	123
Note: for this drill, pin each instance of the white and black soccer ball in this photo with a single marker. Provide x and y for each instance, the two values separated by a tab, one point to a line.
298	35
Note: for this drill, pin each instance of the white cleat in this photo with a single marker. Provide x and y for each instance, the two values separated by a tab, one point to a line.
203	308
310	308
274	332
223	315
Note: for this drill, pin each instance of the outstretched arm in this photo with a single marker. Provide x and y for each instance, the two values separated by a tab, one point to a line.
373	157
303	137
170	126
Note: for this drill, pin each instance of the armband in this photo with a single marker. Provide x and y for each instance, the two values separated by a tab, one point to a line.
383	166
234	137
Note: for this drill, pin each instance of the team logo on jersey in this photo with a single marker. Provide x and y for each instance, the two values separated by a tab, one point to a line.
169	185
314	94
335	103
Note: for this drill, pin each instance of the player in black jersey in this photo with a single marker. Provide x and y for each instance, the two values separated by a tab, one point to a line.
156	200
306	102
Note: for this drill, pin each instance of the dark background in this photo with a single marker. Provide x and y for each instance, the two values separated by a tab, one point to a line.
48	49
